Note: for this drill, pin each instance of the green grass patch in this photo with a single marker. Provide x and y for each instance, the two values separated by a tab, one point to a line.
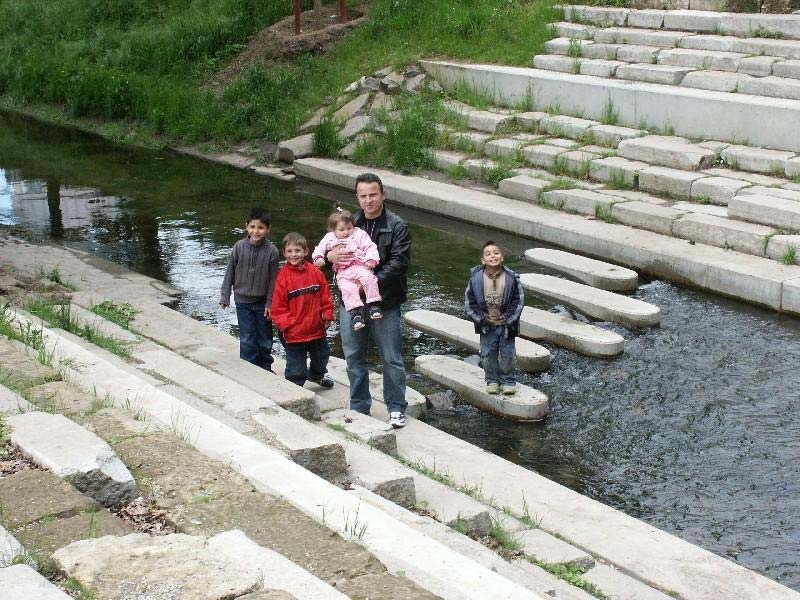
572	574
789	256
54	275
602	212
327	140
121	314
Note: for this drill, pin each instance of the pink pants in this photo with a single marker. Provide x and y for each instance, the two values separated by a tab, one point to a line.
351	280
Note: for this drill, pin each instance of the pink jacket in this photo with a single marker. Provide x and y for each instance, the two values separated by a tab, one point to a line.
363	248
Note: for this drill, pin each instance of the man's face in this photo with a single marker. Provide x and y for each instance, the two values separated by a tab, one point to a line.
370	199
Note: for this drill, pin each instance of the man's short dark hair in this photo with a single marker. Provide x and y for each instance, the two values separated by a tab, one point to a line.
260	214
369	178
295	239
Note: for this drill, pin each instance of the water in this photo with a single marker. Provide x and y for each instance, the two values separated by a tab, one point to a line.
694	429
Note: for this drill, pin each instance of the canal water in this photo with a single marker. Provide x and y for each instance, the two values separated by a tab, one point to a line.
695	429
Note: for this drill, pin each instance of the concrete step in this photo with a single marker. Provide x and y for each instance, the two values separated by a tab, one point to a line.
599	274
527	404
616	585
717	190
21	581
75	454
372	432
447	159
780	247
674	183
584	202
11	549
469	141
568	333
702	209
777	48
12	403
482	120
759	160
771	211
683	109
599	304
639	37
574	30
550	549
662	74
701	59
723	233
531	357
97	323
667	151
646	215
523	187
510	146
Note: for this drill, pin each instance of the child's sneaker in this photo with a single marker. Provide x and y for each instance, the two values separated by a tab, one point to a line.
492	388
358	321
375	312
509	390
397	420
323	381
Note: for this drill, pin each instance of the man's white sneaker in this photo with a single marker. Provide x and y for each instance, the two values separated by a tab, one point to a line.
397	420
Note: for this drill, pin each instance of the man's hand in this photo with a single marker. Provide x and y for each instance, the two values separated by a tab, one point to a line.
266	313
339	256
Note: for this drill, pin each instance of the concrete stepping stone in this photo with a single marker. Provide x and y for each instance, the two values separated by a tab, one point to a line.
702	209
468	381
701	59
12	403
599	304
723	233
277	571
639	37
717	190
523	187
667	151
530	357
616	585
139	565
537	324
584	202
646	215
759	160
550	549
374	433
779	245
21	582
74	454
767	210
596	273
675	183
647	73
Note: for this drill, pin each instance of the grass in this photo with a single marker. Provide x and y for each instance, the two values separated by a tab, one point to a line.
617	181
142	63
559	184
54	275
789	256
121	314
610	114
602	212
763	32
26	333
327	140
572	574
574	49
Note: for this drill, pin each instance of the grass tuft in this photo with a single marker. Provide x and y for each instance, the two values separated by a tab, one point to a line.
327	140
121	314
789	256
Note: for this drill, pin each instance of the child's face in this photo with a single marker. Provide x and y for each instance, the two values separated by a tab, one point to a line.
257	231
492	257
295	254
343	229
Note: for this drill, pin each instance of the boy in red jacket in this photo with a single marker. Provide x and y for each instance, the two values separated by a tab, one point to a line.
302	310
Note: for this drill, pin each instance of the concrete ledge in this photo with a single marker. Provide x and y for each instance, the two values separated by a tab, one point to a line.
374	433
20	582
380	473
550	549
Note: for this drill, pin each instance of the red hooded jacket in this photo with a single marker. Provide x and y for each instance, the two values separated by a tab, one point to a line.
301	303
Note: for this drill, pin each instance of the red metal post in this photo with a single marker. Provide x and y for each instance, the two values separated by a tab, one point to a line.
343	11
297	13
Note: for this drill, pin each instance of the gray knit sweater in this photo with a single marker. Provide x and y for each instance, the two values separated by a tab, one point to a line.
251	272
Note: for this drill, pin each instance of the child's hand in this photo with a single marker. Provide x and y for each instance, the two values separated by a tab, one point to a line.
326	324
319	263
371	264
223	306
266	313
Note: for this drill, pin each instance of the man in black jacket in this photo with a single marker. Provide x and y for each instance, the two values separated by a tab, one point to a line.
390	234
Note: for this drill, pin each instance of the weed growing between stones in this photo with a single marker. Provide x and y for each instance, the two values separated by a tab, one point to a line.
602	212
610	115
73	587
327	140
54	275
559	184
571	573
476	97
574	49
702	200
503	168
354	527
457	172
26	333
776	170
762	32
508	544
121	314
617	181
532	521
789	256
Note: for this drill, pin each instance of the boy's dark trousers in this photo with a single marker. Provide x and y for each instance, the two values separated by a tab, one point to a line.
317	351
498	354
255	334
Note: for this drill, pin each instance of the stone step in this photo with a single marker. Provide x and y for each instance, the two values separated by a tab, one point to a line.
482	120
701	59
616	585
372	432
447	159
277	571
523	187
510	146
639	37
723	233
530	357
469	141
20	582
584	202
74	454
780	247
786	49
759	160
12	403
717	190
663	74
103	326
683	109
674	183
574	30
617	169
550	549
667	151
599	304
568	333
702	209
468	381
646	215
599	274
766	210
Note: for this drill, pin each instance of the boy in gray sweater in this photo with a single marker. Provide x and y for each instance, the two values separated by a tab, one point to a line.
252	267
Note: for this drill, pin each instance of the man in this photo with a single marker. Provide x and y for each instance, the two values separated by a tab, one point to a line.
390	234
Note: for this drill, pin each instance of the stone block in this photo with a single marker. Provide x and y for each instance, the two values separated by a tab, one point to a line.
523	187
562	142
759	160
478	167
700	59
351	108
542	155
584	202
714	5
597	15
758	66
718	190
702	209
775	87
644	215
780	246
638	196
615	168
663	74
612	135
549	549
298	147
75	454
380	474
667	151
599	274
505	147
376	434
355	126
565	46
600	51
787	68
12	403
446	159
615	584
577	31
769	47
781	213
754	178
556	62
490	122
646	19
638	54
693	20
29	496
469	141
576	162
664	180
723	233
639	37
530	120
21	582
715	43
598	67
718	81
563	126
537	324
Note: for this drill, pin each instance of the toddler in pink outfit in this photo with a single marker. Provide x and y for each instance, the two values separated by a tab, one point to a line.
357	274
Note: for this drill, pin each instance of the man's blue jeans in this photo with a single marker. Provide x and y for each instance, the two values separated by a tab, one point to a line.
388	338
497	356
317	351
255	334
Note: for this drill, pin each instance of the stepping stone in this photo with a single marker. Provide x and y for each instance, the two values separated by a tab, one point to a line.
701	59
376	434
599	304
702	209
351	108
568	333
584	202
616	585
12	403
602	275
717	190
522	187
759	160
469	382
718	81
667	151
138	565
530	357
779	245
767	210
723	233
617	168
21	582
277	571
74	454
550	549
663	74
665	180
646	215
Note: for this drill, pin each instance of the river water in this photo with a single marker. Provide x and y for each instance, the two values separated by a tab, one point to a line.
695	429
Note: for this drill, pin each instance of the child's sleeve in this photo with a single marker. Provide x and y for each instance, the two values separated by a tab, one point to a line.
368	248
515	303
279	312
319	251
325	302
471	307
272	275
230	275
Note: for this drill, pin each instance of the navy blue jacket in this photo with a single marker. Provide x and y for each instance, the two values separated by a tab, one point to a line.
513	302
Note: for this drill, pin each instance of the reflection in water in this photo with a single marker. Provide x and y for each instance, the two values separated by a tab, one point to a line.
694	429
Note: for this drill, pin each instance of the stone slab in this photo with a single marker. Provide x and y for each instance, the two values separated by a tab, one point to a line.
767	210
523	187
639	37
760	190
490	122
646	215
550	549
277	571
754	178
29	496
616	585
530	357
447	159
564	126
574	30
779	245
568	333
530	120
759	160
717	190
723	233
20	582
615	168
379	473
703	209
599	274
787	68
75	454
12	403
584	202
599	304
648	73
297	147
675	183
600	15
647	19
542	155
600	51
758	66
598	67
612	135
374	433
775	87
701	59
504	147
351	108
667	151
714	80
557	62
468	381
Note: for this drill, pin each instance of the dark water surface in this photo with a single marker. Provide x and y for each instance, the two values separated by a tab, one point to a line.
695	429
